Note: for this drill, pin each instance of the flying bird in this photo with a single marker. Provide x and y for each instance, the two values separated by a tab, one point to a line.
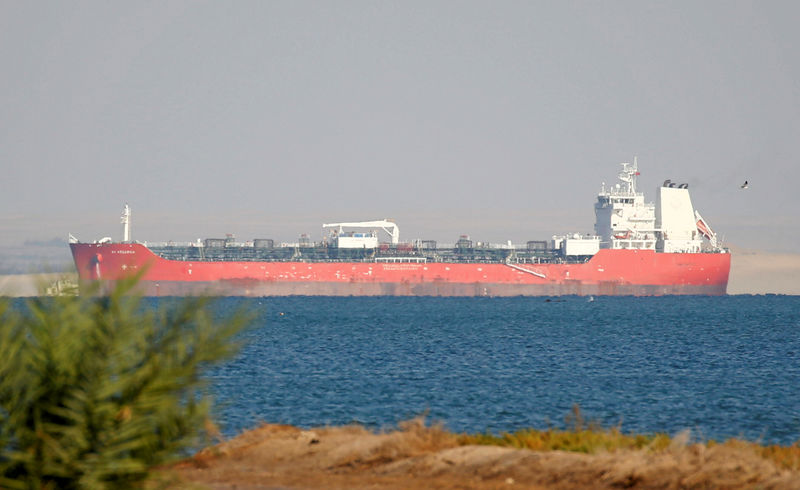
745	185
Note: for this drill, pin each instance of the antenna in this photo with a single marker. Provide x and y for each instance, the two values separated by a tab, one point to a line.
628	175
126	224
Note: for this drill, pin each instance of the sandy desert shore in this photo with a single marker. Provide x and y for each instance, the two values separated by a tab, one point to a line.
755	272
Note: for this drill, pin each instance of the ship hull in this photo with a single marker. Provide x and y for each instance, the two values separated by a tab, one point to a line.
609	272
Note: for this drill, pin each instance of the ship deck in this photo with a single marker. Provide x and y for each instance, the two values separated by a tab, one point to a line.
457	255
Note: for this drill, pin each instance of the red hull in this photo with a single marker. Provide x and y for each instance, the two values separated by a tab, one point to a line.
609	272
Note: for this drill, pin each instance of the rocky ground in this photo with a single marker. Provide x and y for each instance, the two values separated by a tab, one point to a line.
279	456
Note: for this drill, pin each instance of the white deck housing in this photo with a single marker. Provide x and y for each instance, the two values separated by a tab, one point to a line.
579	245
351	239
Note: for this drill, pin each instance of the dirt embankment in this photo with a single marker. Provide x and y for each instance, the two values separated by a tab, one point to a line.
279	456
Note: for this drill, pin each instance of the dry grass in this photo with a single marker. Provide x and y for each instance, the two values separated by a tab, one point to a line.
588	441
419	456
591	438
581	437
787	457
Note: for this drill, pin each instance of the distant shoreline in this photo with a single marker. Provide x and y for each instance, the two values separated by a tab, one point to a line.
764	273
28	285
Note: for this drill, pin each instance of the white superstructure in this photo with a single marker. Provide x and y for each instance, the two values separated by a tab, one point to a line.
623	218
625	221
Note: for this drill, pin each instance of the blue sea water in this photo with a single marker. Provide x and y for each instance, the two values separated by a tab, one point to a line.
720	366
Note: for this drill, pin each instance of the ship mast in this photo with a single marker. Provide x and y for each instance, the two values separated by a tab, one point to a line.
126	224
628	175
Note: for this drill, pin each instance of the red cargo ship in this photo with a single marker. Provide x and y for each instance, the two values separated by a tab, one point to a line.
638	249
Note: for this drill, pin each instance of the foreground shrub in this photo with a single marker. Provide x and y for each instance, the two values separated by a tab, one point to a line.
95	391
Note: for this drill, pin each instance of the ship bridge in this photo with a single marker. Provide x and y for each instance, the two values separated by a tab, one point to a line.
623	218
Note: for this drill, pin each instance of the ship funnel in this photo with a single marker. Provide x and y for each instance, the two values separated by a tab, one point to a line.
675	219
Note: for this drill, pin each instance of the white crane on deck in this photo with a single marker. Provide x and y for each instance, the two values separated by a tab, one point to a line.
384	225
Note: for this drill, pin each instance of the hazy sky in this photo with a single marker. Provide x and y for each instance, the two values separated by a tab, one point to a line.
498	119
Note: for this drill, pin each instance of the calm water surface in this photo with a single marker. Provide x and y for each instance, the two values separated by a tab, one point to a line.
720	366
